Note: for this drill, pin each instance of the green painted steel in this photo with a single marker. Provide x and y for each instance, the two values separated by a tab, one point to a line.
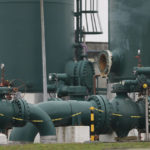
8	109
124	105
121	115
139	84
13	109
128	32
20	39
30	131
55	109
17	113
46	127
142	71
84	72
77	81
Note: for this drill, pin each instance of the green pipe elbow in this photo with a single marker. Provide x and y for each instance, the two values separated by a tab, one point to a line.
41	123
55	109
17	113
66	109
22	135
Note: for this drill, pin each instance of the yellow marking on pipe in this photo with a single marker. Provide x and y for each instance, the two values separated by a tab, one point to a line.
92	127
92	117
2	115
76	114
57	119
118	115
14	118
135	116
38	121
99	110
92	137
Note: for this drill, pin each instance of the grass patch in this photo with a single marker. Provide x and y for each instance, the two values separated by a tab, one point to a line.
88	146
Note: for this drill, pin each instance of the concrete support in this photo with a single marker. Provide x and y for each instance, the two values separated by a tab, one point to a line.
73	134
70	134
48	139
108	137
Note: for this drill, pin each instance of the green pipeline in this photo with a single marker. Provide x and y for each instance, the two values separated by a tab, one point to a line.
17	113
121	115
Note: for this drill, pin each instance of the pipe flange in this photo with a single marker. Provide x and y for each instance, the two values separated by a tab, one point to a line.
23	113
83	72
99	123
104	62
19	113
27	110
87	75
103	122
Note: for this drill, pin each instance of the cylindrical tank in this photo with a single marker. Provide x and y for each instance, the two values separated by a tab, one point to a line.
129	35
20	39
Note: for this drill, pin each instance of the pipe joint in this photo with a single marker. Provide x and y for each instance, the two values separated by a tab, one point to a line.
105	62
103	116
22	112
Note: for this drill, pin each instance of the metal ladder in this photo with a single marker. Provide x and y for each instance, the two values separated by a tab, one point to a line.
87	19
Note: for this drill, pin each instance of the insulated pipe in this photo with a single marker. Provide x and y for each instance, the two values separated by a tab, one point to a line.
17	113
121	115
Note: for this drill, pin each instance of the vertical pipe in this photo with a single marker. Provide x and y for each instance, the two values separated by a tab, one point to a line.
77	21
146	116
94	80
43	51
86	16
81	34
2	75
92	130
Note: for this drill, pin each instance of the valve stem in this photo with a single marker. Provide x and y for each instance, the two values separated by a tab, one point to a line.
138	57
2	75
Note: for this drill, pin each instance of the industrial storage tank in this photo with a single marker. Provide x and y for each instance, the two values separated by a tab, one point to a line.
129	35
20	39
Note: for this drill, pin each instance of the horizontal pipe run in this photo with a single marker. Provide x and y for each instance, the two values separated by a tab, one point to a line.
56	109
17	113
107	115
